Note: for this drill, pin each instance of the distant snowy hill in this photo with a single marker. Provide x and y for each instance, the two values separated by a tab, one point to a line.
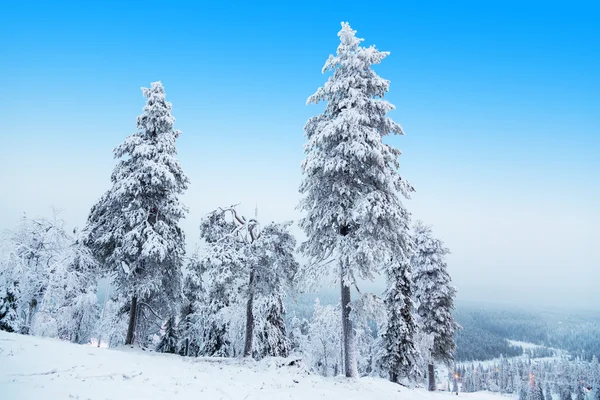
39	368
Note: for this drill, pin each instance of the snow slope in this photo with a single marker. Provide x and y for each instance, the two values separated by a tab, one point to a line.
40	368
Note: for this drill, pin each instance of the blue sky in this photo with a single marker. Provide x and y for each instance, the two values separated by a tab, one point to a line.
500	103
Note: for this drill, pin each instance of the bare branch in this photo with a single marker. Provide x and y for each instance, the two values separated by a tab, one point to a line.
150	308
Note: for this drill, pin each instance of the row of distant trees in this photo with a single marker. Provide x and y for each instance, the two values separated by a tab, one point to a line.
485	333
544	379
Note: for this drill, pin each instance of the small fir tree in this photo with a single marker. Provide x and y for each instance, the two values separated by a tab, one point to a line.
400	357
169	339
434	296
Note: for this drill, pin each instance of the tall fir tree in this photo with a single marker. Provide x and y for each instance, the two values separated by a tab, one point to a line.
133	229
434	296
351	182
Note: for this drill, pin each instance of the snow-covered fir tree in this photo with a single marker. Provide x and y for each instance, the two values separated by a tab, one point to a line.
351	181
565	393
434	296
169	338
193	291
535	390
274	269
133	229
548	395
249	270
523	392
579	391
400	358
271	334
9	315
222	304
298	333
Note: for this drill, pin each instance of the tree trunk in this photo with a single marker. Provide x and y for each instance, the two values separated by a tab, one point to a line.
431	374
132	321
351	368
341	353
249	318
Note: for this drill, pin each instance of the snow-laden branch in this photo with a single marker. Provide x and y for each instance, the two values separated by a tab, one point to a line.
141	303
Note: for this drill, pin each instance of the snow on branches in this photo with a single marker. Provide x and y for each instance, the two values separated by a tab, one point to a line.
249	269
352	189
133	229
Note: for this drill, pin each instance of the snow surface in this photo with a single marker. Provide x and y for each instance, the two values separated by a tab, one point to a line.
42	368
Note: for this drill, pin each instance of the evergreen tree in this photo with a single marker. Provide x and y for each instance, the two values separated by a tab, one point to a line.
548	392
565	393
535	390
273	270
258	263
189	314
434	295
351	181
399	358
523	392
595	372
9	316
133	229
169	339
580	394
271	338
223	264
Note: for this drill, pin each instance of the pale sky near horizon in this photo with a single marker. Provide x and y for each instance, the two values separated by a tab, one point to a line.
499	103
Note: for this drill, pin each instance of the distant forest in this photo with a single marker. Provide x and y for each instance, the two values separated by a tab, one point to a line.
486	332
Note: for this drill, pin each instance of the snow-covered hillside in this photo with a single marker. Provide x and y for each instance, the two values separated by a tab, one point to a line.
39	368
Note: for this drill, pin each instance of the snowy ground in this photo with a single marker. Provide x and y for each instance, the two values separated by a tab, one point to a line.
38	368
524	345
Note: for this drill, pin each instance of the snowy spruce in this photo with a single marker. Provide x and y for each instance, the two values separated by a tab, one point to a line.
434	296
352	188
133	229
